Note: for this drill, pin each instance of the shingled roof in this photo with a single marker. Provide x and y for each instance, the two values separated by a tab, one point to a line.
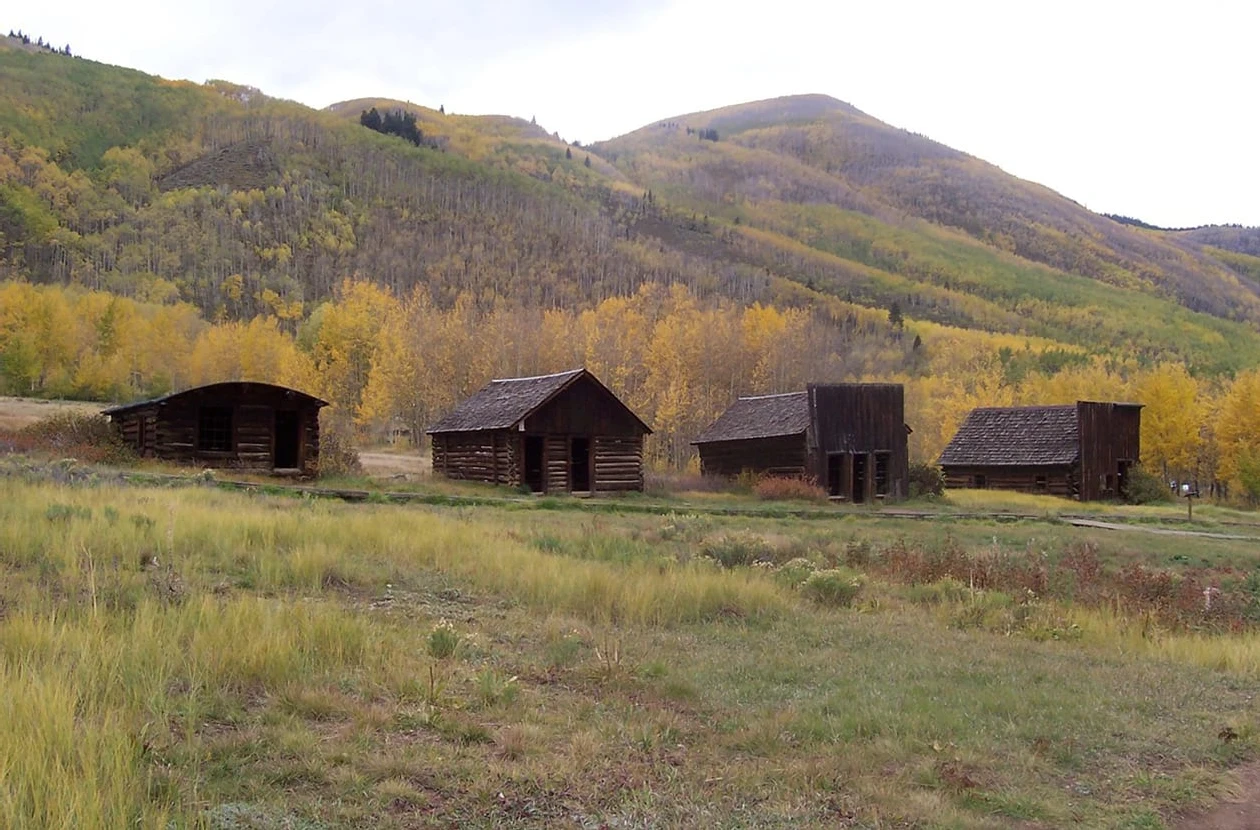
504	403
763	416
213	389
1015	436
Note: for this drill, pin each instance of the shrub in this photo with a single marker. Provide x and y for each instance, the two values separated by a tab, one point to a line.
444	640
926	481
793	489
337	454
794	572
837	587
735	549
89	437
1144	487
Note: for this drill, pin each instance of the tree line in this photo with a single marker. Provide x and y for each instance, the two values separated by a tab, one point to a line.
384	359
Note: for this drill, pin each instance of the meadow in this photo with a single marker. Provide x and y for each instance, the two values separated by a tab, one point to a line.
183	656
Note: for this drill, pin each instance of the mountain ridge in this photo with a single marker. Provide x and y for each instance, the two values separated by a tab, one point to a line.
803	199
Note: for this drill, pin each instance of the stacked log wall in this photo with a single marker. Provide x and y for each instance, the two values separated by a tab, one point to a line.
1060	481
487	456
779	456
618	464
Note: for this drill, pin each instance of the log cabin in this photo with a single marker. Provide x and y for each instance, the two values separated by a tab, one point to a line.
848	437
243	425
1081	451
560	433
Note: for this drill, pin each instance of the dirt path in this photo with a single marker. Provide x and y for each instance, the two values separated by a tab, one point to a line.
1240	813
403	466
1163	531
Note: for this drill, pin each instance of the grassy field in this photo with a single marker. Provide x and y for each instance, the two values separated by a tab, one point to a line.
188	657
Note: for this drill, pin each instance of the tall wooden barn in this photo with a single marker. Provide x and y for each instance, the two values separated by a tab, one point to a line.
554	433
1083	450
849	437
245	425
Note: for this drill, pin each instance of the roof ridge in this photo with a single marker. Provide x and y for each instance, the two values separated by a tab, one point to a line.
775	395
538	377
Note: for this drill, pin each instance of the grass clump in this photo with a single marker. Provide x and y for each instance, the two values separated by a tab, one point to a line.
835	587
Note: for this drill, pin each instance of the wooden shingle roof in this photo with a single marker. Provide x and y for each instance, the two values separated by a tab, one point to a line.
762	416
504	403
212	390
1015	436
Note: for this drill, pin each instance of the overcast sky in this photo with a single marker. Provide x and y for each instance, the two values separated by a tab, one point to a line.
1148	109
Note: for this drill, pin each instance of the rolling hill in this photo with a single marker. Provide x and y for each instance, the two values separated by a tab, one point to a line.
114	179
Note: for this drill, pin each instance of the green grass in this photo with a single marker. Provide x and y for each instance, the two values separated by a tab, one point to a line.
193	657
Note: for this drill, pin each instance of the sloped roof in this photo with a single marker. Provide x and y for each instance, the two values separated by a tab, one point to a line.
1015	436
762	416
213	389
504	403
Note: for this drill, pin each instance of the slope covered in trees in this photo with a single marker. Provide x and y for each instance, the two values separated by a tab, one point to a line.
871	253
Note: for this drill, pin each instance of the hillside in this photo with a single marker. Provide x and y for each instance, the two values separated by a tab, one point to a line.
243	204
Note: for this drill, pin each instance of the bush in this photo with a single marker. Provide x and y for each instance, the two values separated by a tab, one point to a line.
735	549
337	454
88	437
837	587
785	489
1144	487
926	480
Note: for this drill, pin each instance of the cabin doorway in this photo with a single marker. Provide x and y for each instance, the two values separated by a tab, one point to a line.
835	471
859	478
287	443
1122	478
580	465
534	463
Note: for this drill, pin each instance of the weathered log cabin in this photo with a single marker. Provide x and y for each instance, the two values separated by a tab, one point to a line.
245	425
1082	451
849	437
554	433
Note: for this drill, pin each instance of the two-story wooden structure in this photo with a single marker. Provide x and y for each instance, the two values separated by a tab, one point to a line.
240	424
849	437
1083	450
553	433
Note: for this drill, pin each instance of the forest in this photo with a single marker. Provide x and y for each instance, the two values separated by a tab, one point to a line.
158	234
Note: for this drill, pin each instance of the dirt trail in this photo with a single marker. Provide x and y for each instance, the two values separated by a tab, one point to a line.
1241	813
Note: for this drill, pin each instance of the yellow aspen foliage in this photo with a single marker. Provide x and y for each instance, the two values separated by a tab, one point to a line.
1172	416
1238	433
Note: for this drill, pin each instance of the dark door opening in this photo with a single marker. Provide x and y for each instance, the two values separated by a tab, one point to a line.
580	465
835	469
859	478
287	447
1122	478
534	463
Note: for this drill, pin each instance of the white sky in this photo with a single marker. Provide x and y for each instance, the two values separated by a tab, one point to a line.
1147	109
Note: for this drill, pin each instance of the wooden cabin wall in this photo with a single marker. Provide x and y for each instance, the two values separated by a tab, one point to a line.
860	419
1110	433
488	455
584	408
618	464
783	455
556	464
253	425
1060	481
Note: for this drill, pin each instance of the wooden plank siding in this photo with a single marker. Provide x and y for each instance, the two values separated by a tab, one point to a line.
1110	435
489	456
864	422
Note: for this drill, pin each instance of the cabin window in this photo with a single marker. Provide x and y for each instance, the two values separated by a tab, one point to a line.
214	429
978	481
1040	484
881	473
